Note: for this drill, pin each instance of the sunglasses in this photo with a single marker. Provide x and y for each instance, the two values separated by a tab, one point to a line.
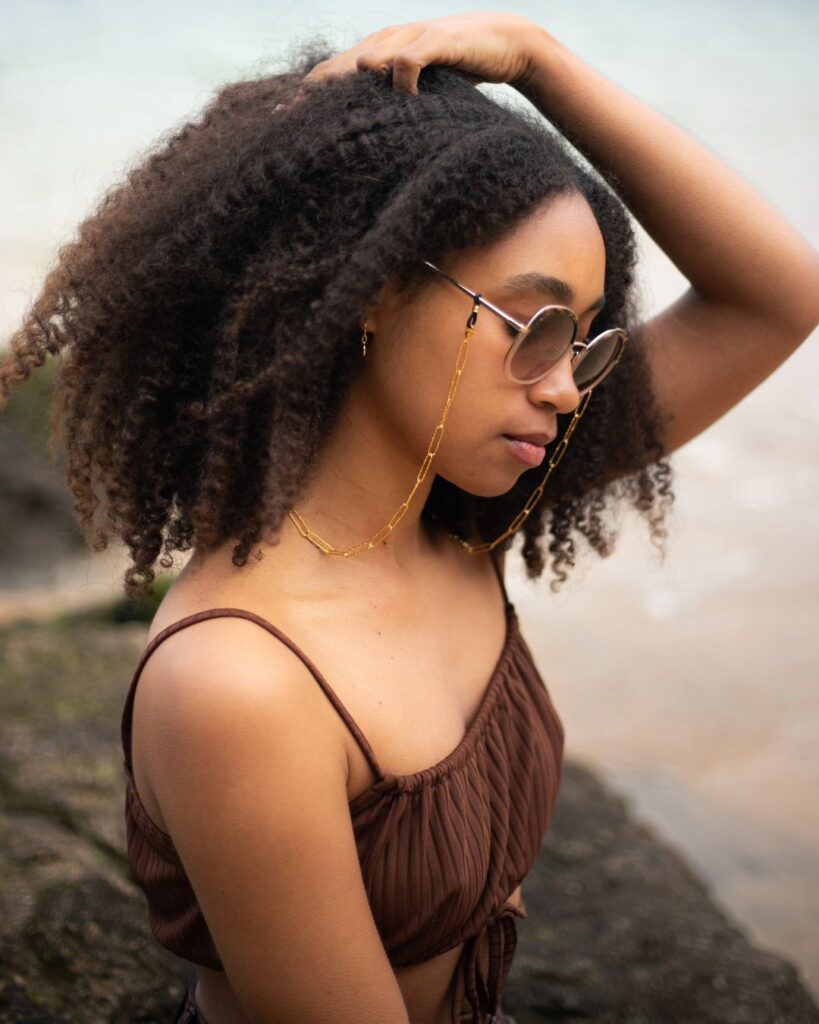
543	341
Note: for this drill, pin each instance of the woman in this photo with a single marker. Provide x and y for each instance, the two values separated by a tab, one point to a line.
358	310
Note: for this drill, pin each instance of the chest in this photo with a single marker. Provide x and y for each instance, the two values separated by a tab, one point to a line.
412	683
411	664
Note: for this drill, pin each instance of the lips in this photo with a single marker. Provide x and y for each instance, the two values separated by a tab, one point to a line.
532	454
541	439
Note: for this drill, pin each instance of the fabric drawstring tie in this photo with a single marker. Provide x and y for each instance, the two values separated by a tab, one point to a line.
484	993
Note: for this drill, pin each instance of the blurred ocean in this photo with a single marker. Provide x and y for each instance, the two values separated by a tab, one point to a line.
693	685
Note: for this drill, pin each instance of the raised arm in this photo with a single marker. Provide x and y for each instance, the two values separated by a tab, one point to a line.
754	280
251	781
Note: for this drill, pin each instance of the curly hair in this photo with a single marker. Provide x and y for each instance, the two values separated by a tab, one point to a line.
206	313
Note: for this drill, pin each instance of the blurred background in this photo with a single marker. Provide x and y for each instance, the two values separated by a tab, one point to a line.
690	685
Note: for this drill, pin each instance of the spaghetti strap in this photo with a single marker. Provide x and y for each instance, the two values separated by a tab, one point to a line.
499	573
212	613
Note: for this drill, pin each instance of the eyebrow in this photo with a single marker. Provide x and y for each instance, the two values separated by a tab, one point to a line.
533	281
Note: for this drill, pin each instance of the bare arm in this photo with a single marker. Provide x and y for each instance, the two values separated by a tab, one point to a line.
251	781
754	280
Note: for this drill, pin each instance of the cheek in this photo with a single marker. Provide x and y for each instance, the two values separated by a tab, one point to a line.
483	387
476	395
484	395
471	454
411	387
415	379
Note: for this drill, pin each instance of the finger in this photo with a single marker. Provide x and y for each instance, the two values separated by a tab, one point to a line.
428	47
346	60
381	53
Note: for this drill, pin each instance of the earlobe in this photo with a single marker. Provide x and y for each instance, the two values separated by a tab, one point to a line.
368	318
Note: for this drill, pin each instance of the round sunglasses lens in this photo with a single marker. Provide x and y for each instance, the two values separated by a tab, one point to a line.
546	341
597	361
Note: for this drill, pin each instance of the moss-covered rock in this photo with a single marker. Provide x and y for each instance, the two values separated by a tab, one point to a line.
621	931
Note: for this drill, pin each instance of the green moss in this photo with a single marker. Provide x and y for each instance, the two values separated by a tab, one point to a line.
39	998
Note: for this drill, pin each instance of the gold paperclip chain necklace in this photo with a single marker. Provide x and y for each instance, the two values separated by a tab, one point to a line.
434	444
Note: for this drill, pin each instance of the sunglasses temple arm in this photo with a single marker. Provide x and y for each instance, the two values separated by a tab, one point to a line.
504	316
477	297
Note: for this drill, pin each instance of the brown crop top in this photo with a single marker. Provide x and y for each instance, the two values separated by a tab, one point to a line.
440	849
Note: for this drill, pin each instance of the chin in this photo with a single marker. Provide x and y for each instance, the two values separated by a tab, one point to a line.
494	471
484	487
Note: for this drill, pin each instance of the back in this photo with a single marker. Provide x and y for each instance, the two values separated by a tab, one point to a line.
278	881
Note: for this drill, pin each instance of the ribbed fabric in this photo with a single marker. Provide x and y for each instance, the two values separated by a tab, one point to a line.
440	849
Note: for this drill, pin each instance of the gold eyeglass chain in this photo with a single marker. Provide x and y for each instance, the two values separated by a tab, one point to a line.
434	444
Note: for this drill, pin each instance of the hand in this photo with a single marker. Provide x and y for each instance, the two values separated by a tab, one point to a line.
486	47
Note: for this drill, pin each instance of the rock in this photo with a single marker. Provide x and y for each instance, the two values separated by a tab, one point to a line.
74	939
38	527
618	930
621	931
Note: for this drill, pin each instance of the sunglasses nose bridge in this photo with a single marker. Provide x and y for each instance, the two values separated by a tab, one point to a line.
556	387
579	350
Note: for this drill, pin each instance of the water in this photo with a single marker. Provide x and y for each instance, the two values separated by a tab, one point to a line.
691	686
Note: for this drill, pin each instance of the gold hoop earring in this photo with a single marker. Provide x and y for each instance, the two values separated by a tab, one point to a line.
364	340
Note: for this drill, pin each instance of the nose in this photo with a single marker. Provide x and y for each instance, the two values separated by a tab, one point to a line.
557	388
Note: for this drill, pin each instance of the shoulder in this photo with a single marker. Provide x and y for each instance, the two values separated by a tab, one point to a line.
225	680
228	652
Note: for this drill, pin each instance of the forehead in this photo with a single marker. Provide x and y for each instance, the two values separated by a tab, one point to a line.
557	245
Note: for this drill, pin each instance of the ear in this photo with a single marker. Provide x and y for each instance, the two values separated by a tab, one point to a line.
386	304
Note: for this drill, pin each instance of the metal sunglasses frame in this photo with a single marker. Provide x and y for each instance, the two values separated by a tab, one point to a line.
580	349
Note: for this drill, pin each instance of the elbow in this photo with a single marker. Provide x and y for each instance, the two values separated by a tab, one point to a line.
805	313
